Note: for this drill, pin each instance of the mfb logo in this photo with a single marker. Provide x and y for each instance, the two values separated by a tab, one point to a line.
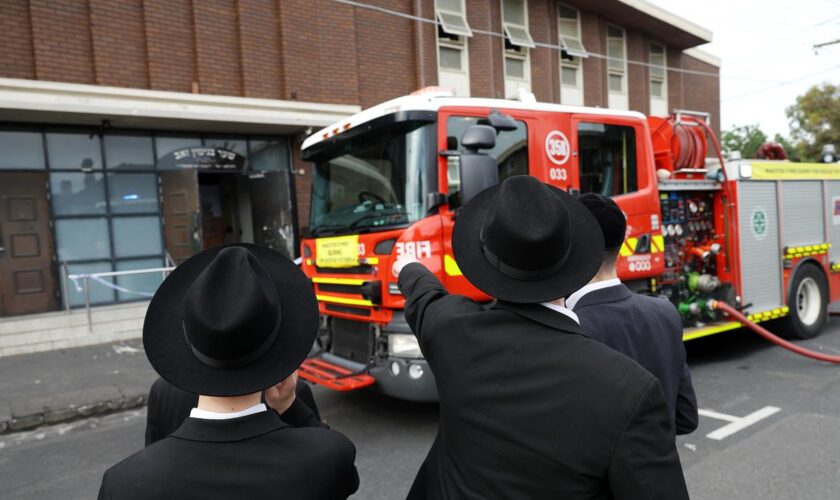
557	147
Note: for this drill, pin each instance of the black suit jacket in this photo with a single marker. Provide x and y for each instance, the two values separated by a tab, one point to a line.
530	408
169	406
649	330
257	456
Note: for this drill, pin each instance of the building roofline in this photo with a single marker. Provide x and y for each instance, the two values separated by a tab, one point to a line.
702	55
670	18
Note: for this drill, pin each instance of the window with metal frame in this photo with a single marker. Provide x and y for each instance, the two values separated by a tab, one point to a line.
616	59
510	152
516	53
569	31
571	55
104	198
607	161
618	96
452	17
515	23
658	78
517	70
570	73
453	62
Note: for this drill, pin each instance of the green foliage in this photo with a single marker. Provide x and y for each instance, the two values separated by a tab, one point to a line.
815	120
746	139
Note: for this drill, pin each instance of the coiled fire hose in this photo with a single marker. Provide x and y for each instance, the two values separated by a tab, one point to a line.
737	316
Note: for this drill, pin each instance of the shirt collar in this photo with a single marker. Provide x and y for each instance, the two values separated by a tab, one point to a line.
562	310
229	430
214	415
572	300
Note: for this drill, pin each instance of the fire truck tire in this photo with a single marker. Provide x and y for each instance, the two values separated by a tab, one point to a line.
808	303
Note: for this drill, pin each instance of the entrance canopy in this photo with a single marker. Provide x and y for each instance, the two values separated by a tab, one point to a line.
57	102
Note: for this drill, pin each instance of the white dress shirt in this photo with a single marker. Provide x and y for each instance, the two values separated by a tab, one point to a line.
562	310
572	300
214	415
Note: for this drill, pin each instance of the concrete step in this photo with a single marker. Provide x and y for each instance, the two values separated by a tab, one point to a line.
48	321
44	332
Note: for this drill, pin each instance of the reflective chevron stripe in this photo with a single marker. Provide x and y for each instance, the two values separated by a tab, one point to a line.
657	244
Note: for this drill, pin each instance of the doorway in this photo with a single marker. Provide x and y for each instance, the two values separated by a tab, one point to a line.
225	209
27	280
204	209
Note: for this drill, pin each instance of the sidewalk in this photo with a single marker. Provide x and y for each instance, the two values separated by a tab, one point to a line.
56	386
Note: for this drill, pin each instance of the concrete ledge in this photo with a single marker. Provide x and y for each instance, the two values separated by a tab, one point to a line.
45	332
73	412
56	386
60	102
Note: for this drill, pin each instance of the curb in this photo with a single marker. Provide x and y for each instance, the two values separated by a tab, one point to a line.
51	416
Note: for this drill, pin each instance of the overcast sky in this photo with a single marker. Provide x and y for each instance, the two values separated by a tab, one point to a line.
765	44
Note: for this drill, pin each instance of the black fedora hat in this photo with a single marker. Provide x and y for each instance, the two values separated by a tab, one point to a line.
609	216
526	242
231	320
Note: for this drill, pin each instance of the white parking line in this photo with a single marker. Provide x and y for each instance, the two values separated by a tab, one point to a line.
719	416
736	423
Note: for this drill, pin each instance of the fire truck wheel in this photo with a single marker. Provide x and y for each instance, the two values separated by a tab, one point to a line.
808	303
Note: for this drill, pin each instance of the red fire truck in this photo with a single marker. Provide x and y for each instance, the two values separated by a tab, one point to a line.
388	182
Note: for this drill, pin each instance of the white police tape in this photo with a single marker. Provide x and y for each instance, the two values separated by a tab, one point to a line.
75	277
120	288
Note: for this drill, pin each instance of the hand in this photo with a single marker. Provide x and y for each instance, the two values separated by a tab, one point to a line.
281	396
400	263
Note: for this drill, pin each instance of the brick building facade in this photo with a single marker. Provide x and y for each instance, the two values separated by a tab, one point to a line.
258	74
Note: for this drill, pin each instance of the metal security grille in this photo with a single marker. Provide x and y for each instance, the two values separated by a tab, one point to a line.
832	208
352	340
802	214
760	246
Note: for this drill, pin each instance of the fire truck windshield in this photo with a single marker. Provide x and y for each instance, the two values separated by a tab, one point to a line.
371	181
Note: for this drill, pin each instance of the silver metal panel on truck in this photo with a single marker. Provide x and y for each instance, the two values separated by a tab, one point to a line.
832	210
761	272
802	213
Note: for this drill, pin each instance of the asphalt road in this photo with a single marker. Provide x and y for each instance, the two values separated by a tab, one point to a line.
788	446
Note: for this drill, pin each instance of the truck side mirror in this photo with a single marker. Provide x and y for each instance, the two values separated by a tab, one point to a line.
499	121
479	171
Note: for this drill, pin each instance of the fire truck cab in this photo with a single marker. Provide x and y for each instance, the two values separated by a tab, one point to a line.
388	182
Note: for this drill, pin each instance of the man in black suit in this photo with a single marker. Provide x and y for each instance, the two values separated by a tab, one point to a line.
169	406
647	329
530	407
230	324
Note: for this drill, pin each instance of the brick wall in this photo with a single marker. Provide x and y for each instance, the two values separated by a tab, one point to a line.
170	53
61	35
303	185
217	47
675	80
426	36
593	34
637	75
545	65
307	50
16	59
260	48
700	92
385	50
486	53
119	43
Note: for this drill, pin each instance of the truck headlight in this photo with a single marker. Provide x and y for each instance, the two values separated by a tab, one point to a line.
404	345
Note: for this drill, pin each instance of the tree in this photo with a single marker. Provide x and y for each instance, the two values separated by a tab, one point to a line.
746	139
815	120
